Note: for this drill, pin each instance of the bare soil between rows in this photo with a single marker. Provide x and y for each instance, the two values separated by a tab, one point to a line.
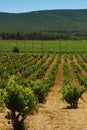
54	115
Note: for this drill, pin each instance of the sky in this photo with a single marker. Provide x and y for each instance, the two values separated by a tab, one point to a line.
18	6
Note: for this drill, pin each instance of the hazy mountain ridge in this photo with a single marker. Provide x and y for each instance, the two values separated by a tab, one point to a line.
47	20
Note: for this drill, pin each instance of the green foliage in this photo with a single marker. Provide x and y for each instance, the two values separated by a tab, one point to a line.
63	21
71	94
40	89
16	49
20	101
40	74
78	72
67	77
1	99
52	46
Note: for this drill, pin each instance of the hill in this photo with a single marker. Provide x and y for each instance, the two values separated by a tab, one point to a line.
47	21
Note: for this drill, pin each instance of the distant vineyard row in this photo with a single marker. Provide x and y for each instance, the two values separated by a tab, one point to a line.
38	67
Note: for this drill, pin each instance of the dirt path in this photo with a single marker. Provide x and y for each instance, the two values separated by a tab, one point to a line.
54	96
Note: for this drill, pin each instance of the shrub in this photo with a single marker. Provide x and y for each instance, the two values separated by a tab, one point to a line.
16	49
71	94
40	89
20	102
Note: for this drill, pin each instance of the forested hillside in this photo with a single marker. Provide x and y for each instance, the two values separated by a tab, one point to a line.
47	21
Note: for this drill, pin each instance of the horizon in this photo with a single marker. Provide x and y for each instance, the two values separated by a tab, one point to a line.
9	6
40	10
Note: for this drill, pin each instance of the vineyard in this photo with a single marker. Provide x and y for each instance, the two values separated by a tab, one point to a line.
46	74
43	68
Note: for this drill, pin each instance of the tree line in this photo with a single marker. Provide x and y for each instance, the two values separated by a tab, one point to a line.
62	35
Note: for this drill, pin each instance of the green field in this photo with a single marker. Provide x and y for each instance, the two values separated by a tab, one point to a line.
44	46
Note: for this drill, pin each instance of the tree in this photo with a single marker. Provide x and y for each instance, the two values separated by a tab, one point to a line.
20	102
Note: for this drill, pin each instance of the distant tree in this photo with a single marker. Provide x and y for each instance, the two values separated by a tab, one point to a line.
16	49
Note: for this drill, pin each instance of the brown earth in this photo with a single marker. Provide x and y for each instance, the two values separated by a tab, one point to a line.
83	71
50	67
54	115
75	79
